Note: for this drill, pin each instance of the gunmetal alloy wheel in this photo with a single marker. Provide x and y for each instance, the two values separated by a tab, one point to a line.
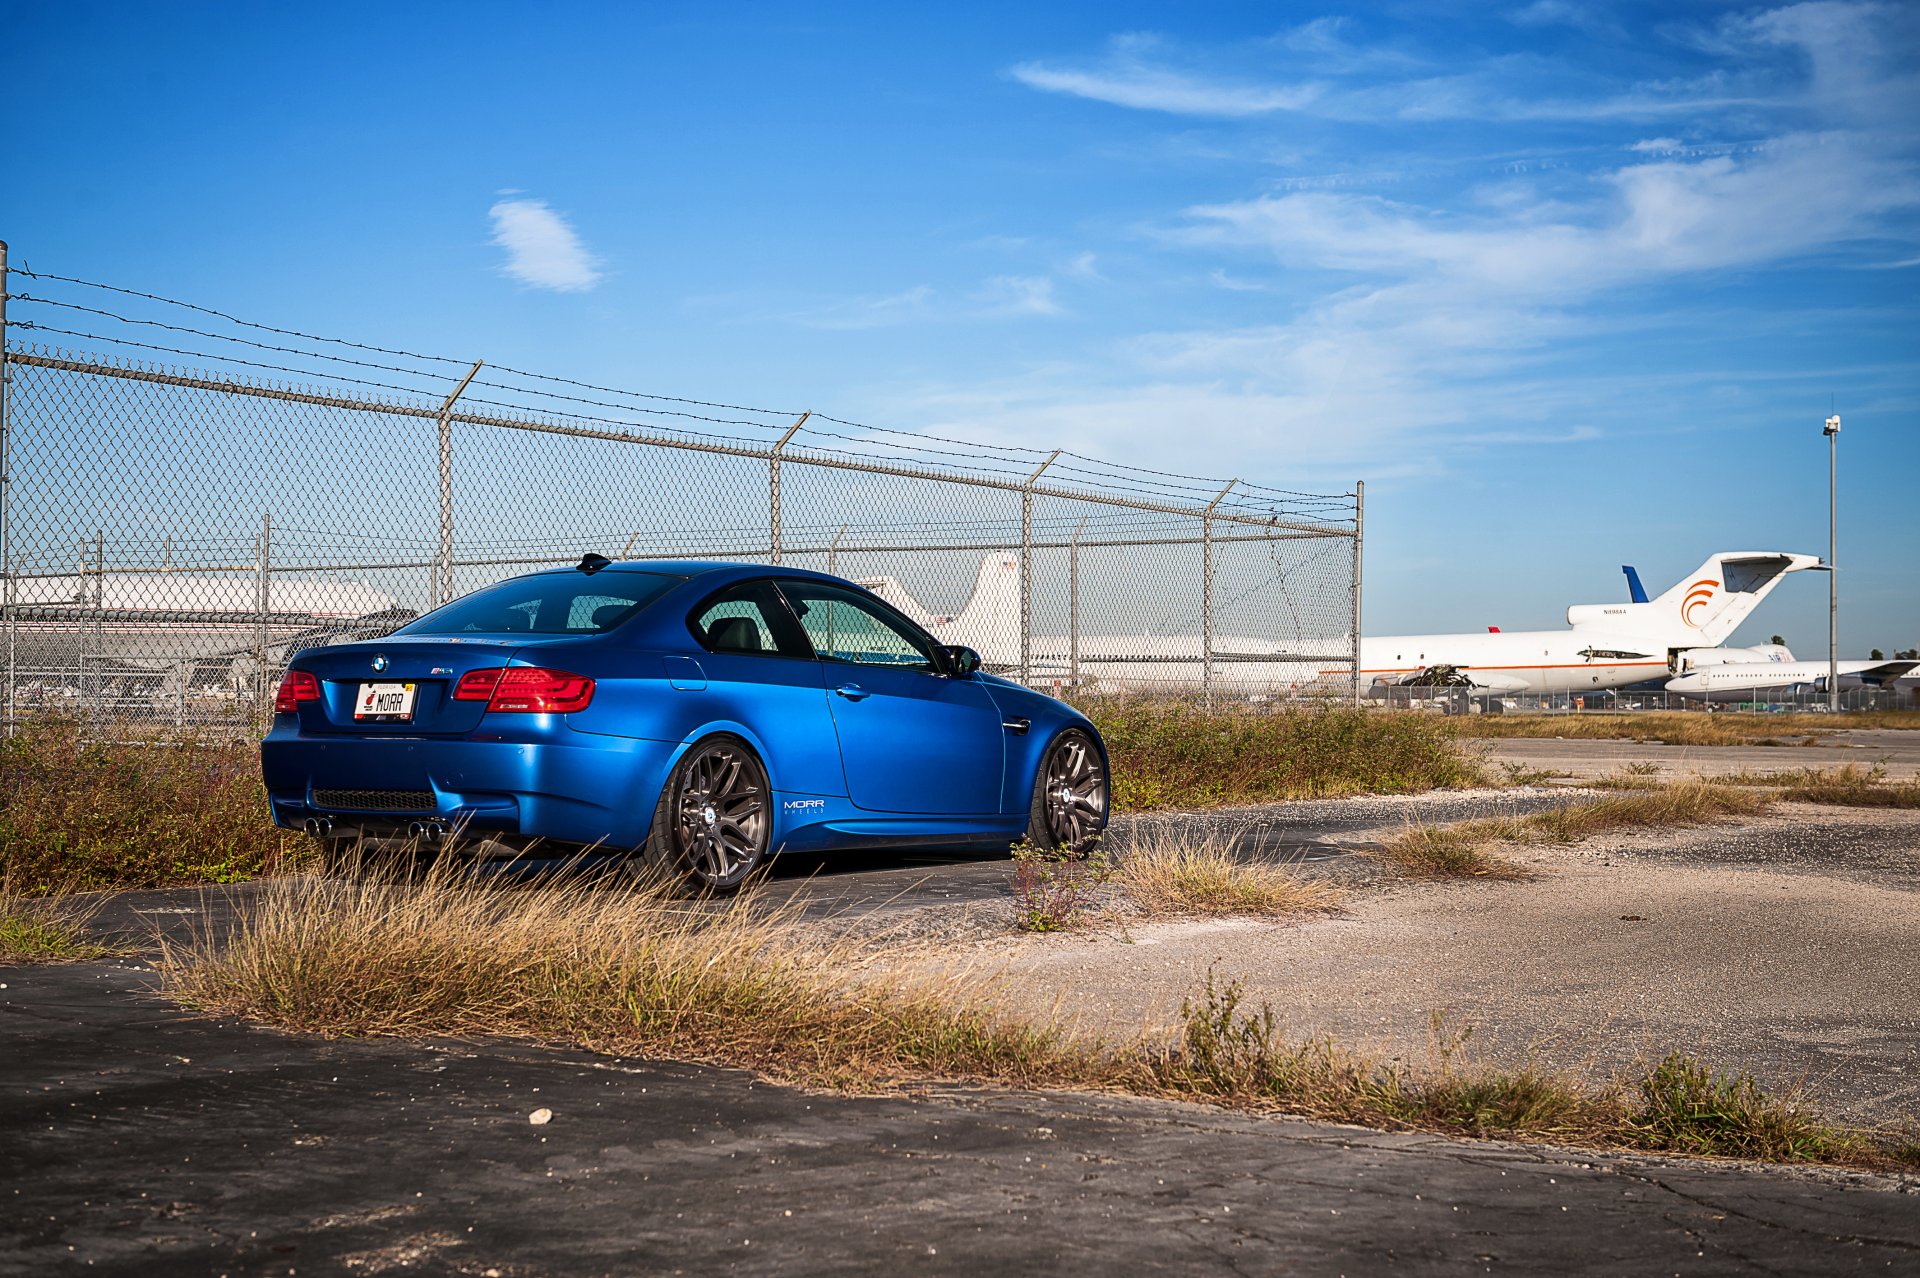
1070	795
714	820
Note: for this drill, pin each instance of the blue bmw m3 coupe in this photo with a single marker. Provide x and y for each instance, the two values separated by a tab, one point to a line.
699	717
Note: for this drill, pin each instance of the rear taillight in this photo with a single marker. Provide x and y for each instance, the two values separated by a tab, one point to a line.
477	685
525	690
295	686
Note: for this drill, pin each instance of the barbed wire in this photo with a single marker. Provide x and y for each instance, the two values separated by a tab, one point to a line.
1245	496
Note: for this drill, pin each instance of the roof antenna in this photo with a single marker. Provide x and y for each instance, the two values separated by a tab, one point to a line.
591	563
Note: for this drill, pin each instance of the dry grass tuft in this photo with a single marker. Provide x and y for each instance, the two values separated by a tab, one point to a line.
1459	849
1680	727
46	928
1177	753
1164	872
1679	1105
1851	785
617	968
1052	890
133	814
1689	1107
1456	851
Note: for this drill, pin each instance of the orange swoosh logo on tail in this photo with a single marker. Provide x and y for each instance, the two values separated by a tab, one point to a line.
1699	594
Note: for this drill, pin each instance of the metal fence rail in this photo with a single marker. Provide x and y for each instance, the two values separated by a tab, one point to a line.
187	498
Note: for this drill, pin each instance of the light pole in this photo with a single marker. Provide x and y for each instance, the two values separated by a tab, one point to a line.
1832	433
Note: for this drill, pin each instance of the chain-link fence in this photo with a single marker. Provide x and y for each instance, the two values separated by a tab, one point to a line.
190	498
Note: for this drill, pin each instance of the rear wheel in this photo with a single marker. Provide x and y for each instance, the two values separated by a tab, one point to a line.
1070	795
714	818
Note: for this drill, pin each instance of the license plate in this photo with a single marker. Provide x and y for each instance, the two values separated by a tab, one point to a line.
384	701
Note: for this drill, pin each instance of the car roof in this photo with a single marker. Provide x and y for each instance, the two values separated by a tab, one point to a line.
719	570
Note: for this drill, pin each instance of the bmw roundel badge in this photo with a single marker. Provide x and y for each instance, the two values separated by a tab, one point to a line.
380	663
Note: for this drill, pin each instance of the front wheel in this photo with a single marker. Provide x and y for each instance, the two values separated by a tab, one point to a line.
714	818
1070	796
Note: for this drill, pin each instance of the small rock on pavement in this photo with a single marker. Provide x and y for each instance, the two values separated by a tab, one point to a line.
540	1117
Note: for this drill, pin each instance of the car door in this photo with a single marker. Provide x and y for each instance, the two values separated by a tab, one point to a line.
757	669
912	739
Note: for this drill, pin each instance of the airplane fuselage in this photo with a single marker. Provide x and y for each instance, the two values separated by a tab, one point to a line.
1522	661
1778	680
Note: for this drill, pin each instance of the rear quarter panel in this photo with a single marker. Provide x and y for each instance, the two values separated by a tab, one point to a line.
778	705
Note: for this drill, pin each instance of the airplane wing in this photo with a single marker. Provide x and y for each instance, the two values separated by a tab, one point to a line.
1888	671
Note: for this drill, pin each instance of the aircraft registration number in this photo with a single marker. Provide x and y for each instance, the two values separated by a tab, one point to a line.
384	701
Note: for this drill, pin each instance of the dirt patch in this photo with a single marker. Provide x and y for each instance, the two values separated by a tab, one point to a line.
1757	943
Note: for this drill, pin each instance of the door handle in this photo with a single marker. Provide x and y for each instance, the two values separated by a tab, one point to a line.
853	692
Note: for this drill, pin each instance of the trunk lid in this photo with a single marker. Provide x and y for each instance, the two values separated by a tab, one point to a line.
432	665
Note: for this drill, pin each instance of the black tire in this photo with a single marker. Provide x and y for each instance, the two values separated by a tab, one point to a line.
715	817
1071	796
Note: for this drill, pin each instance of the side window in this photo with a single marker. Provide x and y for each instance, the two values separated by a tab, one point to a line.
843	626
597	613
747	619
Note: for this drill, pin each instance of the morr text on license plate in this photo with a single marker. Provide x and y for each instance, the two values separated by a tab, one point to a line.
384	701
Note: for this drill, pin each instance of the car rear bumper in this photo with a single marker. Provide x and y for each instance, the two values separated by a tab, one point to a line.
600	791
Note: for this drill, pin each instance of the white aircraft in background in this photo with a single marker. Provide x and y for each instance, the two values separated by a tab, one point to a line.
1605	646
1783	680
154	621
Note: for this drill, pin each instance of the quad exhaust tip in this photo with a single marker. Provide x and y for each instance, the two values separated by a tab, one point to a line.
318	827
430	831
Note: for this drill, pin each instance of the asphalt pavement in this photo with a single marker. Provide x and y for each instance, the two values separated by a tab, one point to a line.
1322	833
137	1139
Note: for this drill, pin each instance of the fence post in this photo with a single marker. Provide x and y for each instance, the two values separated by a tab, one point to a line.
99	615
1206	595
6	495
773	486
1359	527
1026	568
1073	608
443	589
833	551
262	601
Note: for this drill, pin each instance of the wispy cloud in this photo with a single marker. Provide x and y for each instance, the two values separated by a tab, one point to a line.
1316	70
997	297
1017	295
542	249
1127	76
876	311
1464	312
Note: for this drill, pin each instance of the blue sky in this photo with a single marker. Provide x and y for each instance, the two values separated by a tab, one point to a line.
1569	285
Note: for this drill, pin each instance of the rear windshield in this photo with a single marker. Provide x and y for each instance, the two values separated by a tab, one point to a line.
569	604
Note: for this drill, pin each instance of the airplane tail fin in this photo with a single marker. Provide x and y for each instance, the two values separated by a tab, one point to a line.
890	589
1636	592
990	621
1704	607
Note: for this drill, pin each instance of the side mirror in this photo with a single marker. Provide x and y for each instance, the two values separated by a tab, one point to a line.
962	661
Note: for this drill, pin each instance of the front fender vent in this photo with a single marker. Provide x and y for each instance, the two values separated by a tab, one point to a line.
375	800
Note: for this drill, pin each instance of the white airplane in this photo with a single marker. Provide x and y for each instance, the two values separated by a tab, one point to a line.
154	621
1783	680
1605	646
